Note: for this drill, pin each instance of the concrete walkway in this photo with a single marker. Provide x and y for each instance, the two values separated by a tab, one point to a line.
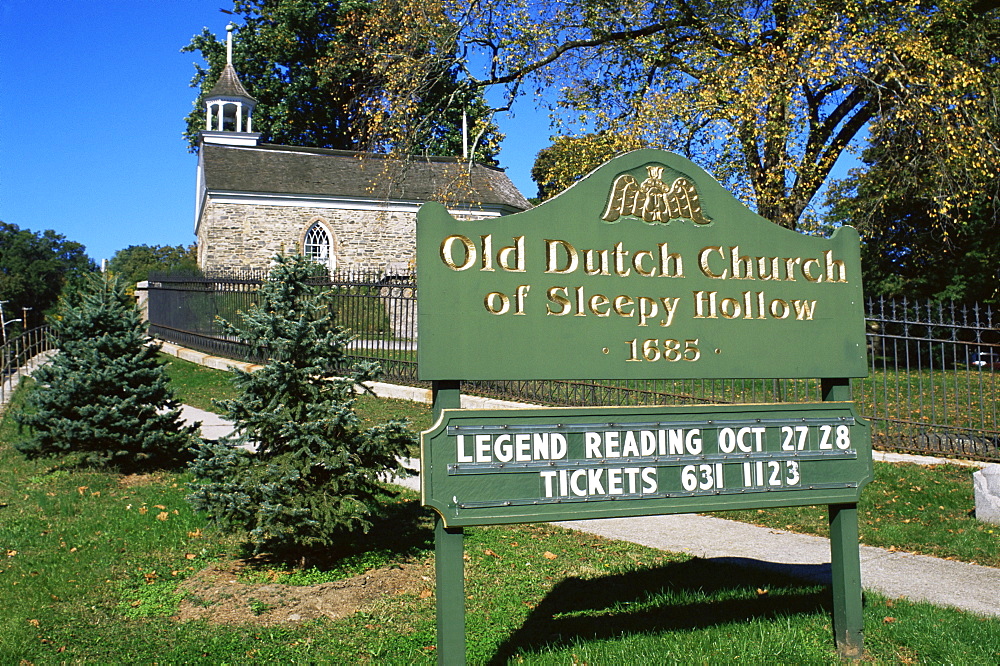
895	574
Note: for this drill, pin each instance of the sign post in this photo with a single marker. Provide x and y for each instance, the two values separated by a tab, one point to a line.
645	269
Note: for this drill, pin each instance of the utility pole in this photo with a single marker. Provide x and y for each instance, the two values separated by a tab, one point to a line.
4	322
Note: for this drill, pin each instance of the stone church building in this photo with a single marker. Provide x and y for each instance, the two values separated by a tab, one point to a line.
346	210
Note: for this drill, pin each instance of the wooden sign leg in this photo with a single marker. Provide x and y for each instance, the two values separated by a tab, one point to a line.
845	562
449	559
845	557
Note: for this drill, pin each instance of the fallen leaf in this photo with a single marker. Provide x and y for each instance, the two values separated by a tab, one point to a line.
196	534
762	592
888	620
490	552
549	555
190	556
163	515
424	594
34	623
81	489
11	553
160	507
143	510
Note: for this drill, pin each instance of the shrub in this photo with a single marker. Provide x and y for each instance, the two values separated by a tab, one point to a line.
312	476
104	400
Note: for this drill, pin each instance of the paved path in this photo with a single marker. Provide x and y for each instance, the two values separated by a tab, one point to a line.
894	574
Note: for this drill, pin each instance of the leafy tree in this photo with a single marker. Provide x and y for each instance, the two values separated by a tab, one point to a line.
34	268
309	65
135	263
313	476
910	247
104	401
570	158
764	94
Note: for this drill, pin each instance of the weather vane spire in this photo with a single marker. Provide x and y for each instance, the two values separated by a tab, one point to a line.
229	43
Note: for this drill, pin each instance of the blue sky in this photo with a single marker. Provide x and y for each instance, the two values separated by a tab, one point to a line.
93	97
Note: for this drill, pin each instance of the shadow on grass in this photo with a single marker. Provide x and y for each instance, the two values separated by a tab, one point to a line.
682	596
401	530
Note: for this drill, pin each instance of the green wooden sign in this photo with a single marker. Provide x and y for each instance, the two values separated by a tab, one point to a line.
485	467
646	268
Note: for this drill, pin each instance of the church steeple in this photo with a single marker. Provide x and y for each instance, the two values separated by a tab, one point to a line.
229	107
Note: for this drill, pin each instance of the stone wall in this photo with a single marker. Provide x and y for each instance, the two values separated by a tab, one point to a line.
236	236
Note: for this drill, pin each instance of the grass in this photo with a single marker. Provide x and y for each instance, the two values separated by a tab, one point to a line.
199	386
916	508
92	563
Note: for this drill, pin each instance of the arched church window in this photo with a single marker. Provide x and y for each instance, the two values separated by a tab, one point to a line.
318	246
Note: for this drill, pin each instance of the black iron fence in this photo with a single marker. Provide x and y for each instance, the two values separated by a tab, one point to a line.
17	353
933	384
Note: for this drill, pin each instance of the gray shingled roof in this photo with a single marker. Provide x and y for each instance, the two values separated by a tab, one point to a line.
322	172
229	85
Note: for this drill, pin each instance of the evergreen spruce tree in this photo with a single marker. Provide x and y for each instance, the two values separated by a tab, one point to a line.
104	400
298	473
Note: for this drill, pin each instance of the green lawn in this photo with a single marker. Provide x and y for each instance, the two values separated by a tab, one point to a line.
93	564
907	507
94	561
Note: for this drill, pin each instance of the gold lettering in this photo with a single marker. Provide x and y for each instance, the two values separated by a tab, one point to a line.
836	271
623	302
790	264
447	253
598	301
700	303
552	257
730	308
779	308
804	309
703	262
511	258
554	296
580	299
671	263
620	254
807	273
592	267
487	253
762	272
490	303
741	265
637	264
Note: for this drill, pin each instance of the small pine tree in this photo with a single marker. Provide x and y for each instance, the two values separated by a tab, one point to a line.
312	478
104	400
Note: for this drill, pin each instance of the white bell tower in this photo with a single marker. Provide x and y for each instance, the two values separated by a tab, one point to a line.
229	107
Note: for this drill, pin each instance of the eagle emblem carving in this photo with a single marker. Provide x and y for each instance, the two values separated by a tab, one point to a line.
652	200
